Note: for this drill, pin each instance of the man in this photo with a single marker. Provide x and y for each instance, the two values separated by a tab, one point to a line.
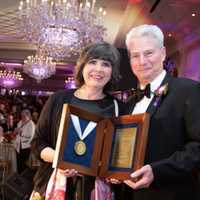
172	158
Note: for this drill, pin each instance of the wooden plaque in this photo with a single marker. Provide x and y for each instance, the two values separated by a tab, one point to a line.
114	149
124	146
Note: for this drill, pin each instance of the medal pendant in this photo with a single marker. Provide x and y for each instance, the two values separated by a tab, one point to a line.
80	148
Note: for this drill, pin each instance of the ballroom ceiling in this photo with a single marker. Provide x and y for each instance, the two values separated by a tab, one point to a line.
179	19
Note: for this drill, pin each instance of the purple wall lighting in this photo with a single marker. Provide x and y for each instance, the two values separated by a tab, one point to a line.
70	83
10	79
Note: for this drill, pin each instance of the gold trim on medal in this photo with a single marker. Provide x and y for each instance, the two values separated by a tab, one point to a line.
80	147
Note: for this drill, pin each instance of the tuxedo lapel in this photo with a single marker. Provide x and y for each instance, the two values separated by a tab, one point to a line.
131	104
152	108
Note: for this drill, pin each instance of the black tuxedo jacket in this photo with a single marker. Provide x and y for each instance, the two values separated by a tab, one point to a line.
173	148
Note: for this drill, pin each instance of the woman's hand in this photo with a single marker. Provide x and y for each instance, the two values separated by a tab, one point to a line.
47	154
68	172
113	181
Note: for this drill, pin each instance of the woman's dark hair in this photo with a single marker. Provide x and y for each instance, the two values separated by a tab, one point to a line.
103	51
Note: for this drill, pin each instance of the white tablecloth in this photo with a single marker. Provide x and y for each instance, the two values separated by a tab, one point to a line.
8	152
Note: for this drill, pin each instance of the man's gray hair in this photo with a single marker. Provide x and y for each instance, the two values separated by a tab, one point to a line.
145	30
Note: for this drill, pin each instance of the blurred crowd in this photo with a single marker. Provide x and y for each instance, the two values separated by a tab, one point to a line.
18	117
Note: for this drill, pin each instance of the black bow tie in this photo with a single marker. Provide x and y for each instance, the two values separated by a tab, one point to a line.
140	93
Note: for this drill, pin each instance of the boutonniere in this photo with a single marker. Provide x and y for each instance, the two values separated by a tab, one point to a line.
159	94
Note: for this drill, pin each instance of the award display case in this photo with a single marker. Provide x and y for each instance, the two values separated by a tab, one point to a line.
97	146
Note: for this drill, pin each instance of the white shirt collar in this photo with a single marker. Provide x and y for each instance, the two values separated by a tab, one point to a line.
157	81
142	105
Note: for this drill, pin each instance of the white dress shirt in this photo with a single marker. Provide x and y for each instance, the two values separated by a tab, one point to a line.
143	104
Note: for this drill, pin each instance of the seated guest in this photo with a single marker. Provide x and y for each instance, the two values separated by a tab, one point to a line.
2	118
10	125
1	134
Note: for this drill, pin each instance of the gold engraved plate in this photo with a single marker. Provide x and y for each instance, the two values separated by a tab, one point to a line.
80	148
124	147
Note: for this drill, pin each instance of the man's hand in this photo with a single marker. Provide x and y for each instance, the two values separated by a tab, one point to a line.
143	176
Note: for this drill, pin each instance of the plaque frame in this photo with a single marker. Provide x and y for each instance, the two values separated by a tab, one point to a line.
141	122
62	138
103	143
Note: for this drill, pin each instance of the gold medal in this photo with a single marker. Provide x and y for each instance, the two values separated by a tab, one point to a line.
80	148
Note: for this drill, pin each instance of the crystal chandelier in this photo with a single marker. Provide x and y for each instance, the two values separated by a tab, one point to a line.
63	27
39	66
10	78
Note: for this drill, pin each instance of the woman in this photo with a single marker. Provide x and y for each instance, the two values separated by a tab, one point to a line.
96	72
24	134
